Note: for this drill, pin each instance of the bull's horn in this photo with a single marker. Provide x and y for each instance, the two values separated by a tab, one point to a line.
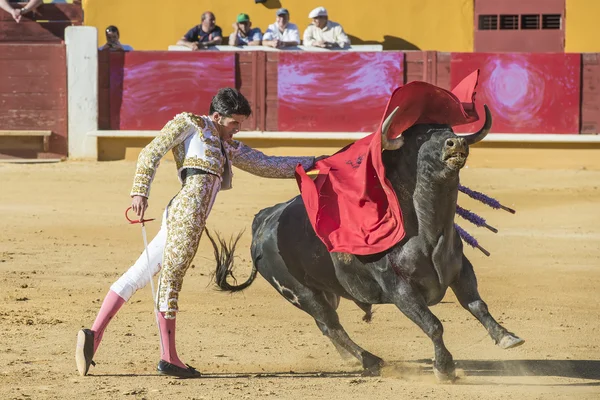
478	136
390	144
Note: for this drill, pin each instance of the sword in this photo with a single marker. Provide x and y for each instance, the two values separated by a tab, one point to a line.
145	238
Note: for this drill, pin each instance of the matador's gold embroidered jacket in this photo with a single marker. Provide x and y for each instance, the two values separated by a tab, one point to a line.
196	144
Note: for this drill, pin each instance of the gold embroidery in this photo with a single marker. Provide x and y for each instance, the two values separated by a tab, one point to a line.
186	219
257	163
179	155
173	133
211	140
211	152
211	165
182	128
198	121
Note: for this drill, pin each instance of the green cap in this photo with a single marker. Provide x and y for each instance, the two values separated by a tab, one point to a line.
243	18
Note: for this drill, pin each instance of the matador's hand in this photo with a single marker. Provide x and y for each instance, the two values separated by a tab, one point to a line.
139	204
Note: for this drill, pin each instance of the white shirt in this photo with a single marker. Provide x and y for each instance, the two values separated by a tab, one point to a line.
289	34
332	32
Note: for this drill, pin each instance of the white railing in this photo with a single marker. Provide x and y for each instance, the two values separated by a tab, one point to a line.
491	138
359	47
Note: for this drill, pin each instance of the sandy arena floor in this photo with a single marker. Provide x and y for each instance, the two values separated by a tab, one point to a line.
64	240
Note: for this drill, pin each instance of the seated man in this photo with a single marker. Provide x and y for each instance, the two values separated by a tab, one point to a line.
282	33
324	33
112	40
243	33
204	35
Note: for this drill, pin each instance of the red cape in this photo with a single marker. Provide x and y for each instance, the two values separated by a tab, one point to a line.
350	203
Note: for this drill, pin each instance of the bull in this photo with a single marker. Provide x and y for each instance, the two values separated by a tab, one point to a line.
423	167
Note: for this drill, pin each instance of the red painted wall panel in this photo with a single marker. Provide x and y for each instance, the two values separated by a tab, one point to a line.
590	93
149	88
33	92
526	93
336	92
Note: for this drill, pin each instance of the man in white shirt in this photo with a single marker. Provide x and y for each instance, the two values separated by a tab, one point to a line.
324	33
282	33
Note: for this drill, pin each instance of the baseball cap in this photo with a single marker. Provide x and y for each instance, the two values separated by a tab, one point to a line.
318	12
243	17
282	11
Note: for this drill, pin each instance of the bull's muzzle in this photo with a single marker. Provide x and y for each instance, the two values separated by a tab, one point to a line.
455	152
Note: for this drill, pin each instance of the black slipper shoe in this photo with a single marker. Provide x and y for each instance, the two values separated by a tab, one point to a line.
166	368
84	351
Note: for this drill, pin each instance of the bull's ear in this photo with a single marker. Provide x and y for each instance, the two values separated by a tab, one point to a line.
482	133
390	144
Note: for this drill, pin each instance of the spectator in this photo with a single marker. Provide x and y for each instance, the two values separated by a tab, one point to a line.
324	33
17	13
204	35
282	33
243	33
112	40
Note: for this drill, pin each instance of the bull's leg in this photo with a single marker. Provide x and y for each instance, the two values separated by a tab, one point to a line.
328	321
413	305
367	308
465	289
334	301
321	307
345	354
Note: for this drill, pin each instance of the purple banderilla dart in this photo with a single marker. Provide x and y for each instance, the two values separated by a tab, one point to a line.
470	240
484	199
474	218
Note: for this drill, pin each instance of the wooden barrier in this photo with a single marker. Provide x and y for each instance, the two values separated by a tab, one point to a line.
291	90
33	82
33	98
292	93
590	93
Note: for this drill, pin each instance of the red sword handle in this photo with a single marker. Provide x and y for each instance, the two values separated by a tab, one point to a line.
136	221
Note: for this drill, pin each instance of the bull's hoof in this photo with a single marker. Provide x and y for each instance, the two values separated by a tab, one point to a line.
372	364
448	377
373	371
509	341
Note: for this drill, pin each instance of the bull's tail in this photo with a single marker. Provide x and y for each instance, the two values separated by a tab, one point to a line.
224	256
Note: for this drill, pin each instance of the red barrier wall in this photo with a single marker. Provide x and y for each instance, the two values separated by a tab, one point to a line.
148	88
33	80
526	93
590	93
346	92
33	95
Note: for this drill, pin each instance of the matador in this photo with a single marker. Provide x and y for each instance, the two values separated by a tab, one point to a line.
204	151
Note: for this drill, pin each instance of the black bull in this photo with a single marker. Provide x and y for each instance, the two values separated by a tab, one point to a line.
423	168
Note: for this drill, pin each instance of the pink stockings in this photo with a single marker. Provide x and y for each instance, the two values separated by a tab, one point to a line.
112	304
167	340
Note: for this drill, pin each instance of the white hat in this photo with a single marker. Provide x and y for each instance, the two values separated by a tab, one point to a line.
318	12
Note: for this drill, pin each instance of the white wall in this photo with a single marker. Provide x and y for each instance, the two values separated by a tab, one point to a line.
82	78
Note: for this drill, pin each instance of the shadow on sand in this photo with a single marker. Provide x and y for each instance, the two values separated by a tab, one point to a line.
233	375
578	369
